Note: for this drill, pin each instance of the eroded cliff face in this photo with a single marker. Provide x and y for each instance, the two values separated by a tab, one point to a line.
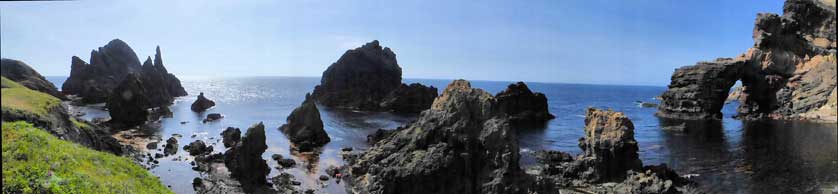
790	72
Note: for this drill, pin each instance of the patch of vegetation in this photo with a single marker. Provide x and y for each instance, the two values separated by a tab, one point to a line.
7	83
21	99
34	161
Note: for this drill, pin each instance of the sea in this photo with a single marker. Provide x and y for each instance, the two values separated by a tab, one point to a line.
727	156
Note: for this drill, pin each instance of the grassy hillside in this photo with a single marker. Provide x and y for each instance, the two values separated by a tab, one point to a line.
21	99
36	162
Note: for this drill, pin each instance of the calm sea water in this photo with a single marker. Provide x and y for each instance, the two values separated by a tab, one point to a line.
728	156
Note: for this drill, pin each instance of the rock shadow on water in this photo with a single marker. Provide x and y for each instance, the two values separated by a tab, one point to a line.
789	156
310	159
700	150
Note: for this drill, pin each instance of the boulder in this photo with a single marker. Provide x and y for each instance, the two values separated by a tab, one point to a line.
231	136
304	128
522	105
213	117
109	65
244	160
198	147
171	146
609	148
21	73
379	135
202	103
129	104
413	98
360	79
789	73
459	145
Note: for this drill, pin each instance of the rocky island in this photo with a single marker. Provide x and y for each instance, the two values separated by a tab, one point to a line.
790	72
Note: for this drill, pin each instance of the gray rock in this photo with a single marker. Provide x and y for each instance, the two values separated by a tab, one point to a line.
197	147
202	103
522	105
360	79
413	98
231	136
304	128
244	160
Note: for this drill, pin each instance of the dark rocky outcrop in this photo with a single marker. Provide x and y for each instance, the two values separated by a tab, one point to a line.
522	105
21	73
379	135
304	128
213	117
244	160
790	72
202	103
413	98
609	156
129	104
230	136
459	145
198	147
360	79
171	146
110	64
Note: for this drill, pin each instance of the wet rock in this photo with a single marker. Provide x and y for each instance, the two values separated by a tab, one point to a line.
360	79
109	65
332	171
197	147
159	155
171	146
413	98
522	105
213	117
151	145
346	149
21	73
286	162
553	157
647	104
304	128
324	178
230	136
459	145
202	103
244	160
276	157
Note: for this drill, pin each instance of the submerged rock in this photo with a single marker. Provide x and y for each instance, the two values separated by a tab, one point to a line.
789	73
202	103
459	145
522	105
108	67
413	98
244	160
360	79
213	117
304	128
21	73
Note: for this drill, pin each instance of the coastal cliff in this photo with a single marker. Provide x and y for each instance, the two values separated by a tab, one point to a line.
789	73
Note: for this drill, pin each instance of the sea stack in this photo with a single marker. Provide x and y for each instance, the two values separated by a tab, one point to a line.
244	160
790	72
304	128
368	78
129	104
523	106
109	65
202	103
459	145
21	73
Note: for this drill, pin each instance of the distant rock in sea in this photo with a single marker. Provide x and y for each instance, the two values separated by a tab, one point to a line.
202	103
304	128
411	98
360	78
790	72
129	104
522	105
110	64
21	73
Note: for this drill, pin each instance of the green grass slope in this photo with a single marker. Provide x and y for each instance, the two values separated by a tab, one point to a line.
34	161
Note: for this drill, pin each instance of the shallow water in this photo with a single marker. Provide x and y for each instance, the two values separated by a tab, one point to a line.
729	156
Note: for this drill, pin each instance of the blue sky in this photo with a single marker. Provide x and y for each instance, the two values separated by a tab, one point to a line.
593	41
